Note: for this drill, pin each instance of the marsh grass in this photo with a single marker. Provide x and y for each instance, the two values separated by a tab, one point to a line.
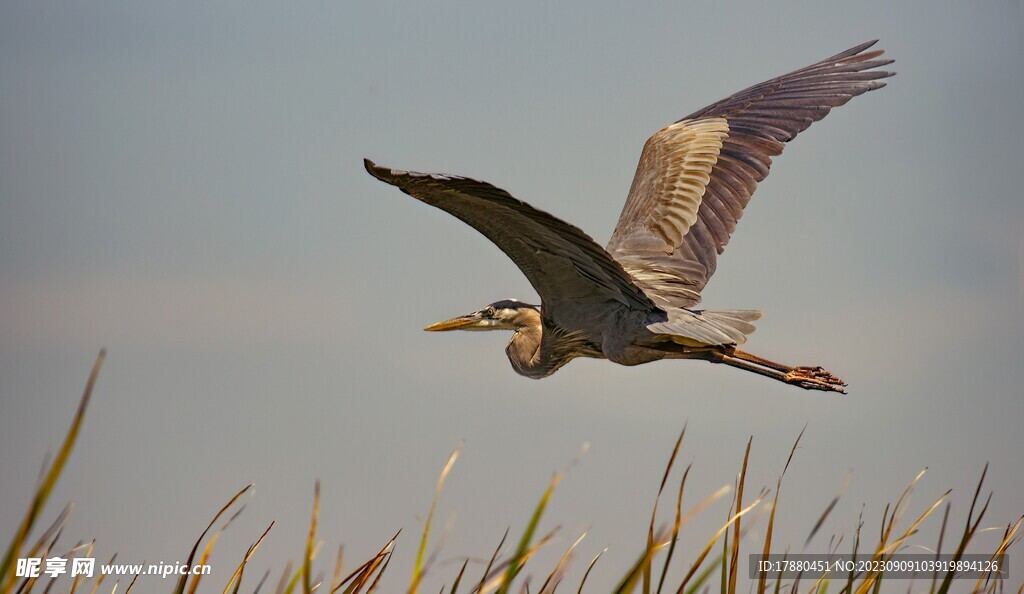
507	570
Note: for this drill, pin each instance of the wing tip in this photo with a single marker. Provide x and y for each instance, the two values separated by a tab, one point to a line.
394	176
372	168
879	63
858	52
859	48
386	174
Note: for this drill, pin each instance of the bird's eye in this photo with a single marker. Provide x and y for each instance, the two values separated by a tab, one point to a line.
490	311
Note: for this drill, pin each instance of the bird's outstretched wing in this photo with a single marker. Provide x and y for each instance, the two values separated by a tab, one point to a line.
574	276
696	176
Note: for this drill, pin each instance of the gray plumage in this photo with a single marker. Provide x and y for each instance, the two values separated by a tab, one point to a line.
632	302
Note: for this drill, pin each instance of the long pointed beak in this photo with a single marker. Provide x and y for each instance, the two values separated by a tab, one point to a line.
459	323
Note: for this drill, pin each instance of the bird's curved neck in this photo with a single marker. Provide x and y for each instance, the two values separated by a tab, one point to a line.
524	349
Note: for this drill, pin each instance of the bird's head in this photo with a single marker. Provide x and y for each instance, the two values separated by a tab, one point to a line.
507	314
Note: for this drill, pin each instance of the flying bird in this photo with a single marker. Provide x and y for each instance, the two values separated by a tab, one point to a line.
633	301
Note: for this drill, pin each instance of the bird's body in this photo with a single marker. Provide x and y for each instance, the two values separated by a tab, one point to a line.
632	302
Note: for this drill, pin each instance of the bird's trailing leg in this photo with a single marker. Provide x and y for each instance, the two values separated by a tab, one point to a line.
808	378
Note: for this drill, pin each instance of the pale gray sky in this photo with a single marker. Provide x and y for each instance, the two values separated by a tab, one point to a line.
182	183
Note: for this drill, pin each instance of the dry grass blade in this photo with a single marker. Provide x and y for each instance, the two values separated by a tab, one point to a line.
55	528
380	560
359	571
899	508
417	570
912	529
263	580
490	564
130	584
559	569
44	546
99	580
885	514
828	510
889	521
75	582
628	582
821	582
778	580
46	485
999	552
387	561
29	582
697	509
702	577
338	564
735	556
180	587
81	546
205	555
236	577
497	577
356	575
384	567
872	578
938	546
458	578
969	530
283	582
856	548
707	549
586	574
654	512
762	576
821	520
676	525
203	558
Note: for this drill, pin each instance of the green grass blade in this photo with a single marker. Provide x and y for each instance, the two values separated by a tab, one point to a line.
516	563
307	559
417	570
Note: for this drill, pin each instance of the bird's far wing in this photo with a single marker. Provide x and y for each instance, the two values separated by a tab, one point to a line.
567	268
696	176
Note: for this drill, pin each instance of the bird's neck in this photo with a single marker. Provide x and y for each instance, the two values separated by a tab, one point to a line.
524	350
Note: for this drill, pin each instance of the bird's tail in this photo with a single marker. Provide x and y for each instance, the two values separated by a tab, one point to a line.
708	327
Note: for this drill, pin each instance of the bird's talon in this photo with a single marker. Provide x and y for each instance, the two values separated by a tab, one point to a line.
815	378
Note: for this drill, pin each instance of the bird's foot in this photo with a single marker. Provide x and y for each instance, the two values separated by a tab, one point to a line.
815	378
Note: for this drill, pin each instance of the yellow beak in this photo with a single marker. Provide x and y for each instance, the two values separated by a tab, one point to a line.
459	323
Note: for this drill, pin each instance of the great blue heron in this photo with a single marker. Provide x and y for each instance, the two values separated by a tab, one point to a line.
633	301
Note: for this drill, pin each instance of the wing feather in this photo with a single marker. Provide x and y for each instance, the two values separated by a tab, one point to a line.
677	221
566	267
